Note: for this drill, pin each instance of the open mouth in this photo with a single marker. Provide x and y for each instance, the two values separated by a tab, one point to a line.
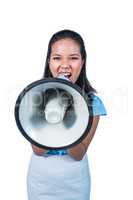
68	75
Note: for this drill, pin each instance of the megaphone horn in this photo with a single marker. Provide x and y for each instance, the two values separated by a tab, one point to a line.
53	113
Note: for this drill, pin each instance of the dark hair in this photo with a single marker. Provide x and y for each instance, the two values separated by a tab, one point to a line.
82	80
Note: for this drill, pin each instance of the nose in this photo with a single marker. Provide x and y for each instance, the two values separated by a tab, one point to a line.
64	67
65	64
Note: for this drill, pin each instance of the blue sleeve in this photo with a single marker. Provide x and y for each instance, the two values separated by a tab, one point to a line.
98	106
57	152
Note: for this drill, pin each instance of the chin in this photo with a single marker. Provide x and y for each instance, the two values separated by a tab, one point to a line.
73	81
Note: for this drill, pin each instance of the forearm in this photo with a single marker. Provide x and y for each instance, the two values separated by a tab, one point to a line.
78	151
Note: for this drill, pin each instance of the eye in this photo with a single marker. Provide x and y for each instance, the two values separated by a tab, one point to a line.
74	58
56	58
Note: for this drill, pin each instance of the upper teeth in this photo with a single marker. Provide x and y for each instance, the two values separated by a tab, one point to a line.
65	74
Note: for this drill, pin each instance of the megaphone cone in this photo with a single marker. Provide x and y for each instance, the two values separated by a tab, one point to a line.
53	113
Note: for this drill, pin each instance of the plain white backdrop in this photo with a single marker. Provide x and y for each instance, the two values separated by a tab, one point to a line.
106	26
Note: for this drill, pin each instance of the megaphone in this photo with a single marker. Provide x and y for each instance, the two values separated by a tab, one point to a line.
53	113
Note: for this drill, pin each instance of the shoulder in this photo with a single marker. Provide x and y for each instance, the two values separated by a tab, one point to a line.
97	105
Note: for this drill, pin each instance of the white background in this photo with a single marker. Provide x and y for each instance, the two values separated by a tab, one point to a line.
106	26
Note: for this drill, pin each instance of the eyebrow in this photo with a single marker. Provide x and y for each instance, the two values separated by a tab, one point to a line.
74	54
55	54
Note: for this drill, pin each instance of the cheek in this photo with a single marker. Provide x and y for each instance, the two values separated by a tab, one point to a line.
77	69
52	68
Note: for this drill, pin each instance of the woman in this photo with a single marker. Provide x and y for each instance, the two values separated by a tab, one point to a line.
64	174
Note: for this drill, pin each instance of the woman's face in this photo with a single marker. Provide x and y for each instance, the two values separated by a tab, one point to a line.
65	58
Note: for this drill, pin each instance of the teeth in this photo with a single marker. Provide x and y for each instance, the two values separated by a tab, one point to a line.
66	74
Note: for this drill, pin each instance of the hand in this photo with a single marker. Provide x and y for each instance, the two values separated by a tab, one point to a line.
39	151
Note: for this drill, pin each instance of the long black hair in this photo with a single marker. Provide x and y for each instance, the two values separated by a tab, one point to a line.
82	80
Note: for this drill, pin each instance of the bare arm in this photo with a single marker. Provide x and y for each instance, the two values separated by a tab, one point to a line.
78	151
38	151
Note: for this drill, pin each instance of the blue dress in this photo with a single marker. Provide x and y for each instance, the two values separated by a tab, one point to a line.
57	176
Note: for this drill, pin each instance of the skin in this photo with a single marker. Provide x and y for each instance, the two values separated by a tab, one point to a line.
66	58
